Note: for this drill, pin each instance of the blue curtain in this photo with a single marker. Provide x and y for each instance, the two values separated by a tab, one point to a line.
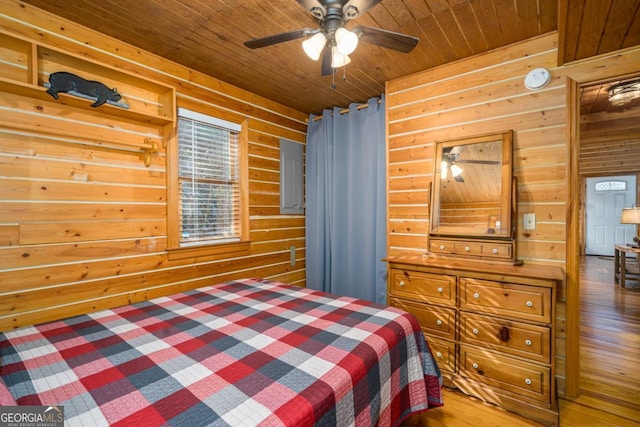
346	202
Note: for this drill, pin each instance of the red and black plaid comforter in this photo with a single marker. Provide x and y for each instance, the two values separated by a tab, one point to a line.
249	352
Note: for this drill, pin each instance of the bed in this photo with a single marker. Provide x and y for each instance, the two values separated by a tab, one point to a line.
242	353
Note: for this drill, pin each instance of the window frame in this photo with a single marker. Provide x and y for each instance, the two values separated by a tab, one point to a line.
192	250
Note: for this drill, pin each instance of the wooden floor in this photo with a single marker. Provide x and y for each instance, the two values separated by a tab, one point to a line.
609	357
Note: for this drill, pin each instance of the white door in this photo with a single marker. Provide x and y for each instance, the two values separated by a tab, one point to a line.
605	198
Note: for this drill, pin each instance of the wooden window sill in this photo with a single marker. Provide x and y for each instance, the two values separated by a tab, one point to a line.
227	249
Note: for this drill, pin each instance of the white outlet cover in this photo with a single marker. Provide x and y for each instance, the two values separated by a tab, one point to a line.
529	221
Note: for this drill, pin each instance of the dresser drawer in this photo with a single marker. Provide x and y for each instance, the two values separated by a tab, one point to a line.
520	339
507	299
436	321
441	246
444	352
469	247
520	378
497	250
436	288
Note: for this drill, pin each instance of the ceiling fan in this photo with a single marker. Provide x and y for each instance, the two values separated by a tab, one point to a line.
624	93
451	161
332	40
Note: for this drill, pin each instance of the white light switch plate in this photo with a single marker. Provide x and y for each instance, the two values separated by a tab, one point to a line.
529	221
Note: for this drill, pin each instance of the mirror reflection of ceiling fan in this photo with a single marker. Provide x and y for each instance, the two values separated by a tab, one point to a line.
332	40
451	163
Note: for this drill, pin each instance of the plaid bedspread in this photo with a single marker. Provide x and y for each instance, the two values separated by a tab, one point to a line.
248	352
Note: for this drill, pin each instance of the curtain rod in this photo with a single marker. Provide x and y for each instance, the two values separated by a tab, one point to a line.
346	110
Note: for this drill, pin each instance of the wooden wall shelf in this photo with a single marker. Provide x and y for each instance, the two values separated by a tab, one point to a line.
28	65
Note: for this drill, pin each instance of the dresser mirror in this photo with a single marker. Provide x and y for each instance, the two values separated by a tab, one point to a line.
472	187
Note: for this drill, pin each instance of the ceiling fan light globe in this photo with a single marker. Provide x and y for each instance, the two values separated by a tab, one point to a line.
337	59
346	41
313	46
455	170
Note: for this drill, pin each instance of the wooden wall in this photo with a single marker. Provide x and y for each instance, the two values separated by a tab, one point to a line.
83	226
482	95
610	142
485	94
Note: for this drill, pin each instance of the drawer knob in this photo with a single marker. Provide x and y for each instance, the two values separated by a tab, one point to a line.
527	342
439	322
401	283
476	295
529	304
467	248
475	366
475	331
528	381
439	355
494	251
442	247
440	290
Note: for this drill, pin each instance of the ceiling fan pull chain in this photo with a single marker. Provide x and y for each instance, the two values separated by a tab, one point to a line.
333	78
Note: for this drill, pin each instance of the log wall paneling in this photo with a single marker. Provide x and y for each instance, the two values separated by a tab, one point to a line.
83	222
477	96
486	94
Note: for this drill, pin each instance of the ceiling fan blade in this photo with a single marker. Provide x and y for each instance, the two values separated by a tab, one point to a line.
326	61
361	6
387	39
279	38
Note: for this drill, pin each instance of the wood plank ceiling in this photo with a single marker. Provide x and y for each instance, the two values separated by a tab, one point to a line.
208	36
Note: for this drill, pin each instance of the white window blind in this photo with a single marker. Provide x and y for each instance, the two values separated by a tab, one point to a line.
209	179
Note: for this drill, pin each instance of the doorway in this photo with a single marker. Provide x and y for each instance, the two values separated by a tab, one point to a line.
605	197
604	141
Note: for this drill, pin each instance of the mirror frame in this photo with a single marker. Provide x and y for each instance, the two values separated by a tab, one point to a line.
506	189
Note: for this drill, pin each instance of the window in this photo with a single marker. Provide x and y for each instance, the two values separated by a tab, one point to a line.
208	183
611	186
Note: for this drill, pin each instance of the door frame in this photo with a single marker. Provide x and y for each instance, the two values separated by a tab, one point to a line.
622	63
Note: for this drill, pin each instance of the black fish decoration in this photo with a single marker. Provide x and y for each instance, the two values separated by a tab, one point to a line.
65	82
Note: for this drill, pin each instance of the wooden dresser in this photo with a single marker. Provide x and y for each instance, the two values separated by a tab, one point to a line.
491	327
